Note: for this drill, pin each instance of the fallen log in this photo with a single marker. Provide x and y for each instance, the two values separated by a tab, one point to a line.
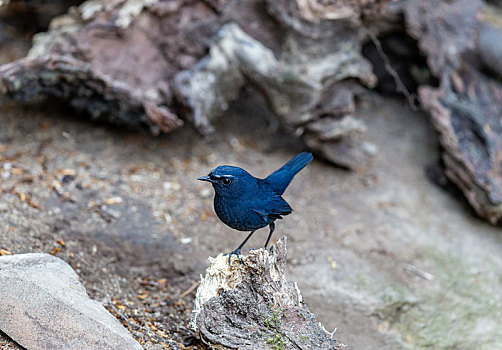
466	108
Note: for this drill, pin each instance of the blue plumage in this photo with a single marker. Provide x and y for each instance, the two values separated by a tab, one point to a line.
281	178
246	203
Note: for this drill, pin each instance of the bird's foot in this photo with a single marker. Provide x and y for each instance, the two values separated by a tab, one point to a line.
235	252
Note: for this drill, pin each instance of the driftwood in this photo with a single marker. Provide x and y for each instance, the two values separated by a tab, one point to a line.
161	64
466	108
251	305
157	64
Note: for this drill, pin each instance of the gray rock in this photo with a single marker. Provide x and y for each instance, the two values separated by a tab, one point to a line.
44	306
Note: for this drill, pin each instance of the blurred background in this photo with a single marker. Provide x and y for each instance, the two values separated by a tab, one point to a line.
110	110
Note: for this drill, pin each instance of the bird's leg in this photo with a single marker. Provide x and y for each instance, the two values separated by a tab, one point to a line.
238	250
272	228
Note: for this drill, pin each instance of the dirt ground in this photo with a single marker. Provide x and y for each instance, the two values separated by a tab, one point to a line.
382	255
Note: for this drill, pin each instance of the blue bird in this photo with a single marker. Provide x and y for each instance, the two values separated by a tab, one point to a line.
246	203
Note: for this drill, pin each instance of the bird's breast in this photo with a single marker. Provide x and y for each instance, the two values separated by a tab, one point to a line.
238	214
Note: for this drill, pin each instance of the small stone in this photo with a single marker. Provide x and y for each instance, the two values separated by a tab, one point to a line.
110	213
186	240
370	149
205	192
171	186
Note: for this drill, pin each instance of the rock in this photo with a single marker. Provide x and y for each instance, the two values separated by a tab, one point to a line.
44	306
251	305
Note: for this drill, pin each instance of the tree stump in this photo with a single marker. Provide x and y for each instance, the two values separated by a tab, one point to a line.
249	304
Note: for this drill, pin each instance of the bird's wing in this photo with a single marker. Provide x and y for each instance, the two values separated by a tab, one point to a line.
272	207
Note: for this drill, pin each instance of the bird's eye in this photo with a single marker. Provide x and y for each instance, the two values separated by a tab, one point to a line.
226	181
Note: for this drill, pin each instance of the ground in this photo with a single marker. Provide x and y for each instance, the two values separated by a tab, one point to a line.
381	254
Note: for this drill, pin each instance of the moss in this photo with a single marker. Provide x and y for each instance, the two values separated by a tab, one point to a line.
273	320
276	341
463	313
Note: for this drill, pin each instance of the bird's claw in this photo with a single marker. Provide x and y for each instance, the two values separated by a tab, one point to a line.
235	252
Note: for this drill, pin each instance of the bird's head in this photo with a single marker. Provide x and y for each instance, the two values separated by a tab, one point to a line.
229	180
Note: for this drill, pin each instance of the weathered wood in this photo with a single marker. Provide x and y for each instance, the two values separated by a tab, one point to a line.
251	305
466	109
144	62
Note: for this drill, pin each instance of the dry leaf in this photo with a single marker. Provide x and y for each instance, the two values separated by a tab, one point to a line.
113	200
21	196
70	172
16	171
57	187
5	252
31	203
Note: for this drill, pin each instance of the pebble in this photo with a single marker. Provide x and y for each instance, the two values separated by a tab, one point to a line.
186	240
112	213
205	192
370	149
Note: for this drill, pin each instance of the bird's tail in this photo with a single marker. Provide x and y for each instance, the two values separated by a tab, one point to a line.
281	178
298	162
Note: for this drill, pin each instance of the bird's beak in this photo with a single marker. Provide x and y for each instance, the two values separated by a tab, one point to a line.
205	178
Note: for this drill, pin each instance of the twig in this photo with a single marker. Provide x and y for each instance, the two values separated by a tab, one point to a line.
82	260
189	290
400	87
419	272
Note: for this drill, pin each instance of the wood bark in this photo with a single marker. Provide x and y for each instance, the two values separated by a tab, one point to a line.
250	305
